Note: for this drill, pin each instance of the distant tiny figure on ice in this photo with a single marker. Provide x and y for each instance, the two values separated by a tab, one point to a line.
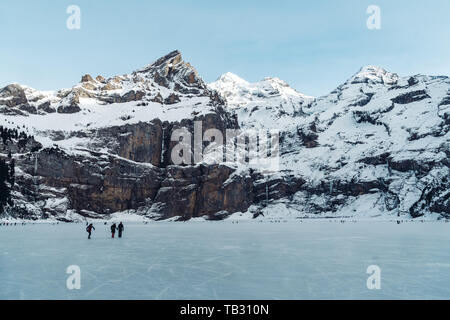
113	230
121	228
89	230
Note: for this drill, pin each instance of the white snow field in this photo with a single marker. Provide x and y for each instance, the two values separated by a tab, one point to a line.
313	259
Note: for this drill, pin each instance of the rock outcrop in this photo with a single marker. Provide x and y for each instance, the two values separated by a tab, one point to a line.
377	145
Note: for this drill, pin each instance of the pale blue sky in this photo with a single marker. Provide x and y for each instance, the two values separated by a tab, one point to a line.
313	45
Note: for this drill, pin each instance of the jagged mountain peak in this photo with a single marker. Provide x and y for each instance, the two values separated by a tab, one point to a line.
375	75
171	71
169	80
172	58
231	77
231	84
276	80
10	87
266	103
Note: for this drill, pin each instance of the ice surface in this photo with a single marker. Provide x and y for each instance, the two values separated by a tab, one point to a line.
313	259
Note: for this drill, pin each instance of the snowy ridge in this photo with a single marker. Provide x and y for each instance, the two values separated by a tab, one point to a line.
262	104
168	90
376	146
375	130
374	75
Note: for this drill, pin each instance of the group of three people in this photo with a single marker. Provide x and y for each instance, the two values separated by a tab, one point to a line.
119	228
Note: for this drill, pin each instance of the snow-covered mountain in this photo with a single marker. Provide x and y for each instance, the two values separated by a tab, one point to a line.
377	146
378	143
170	88
262	104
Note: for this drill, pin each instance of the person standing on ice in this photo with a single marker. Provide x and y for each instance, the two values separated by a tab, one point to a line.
89	230
113	230
120	228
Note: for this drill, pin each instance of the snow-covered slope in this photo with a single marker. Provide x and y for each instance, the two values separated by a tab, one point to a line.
168	90
264	104
377	146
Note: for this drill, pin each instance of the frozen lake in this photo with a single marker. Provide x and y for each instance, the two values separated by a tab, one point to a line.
206	260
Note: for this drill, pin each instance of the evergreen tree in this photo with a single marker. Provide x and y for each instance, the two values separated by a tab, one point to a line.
12	172
5	180
4	135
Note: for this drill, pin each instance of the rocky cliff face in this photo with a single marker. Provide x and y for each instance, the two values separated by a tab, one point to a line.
377	145
112	153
